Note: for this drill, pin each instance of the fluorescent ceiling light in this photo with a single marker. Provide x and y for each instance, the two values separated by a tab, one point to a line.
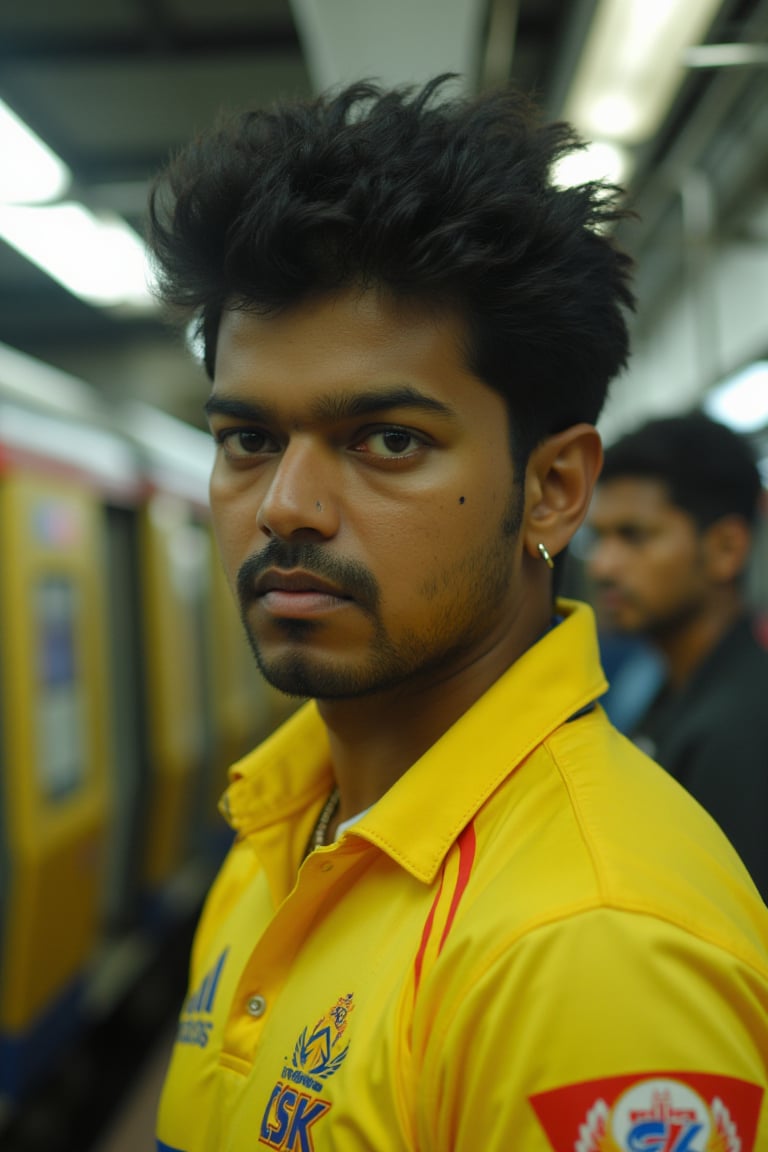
741	401
632	65
98	258
30	172
726	55
600	160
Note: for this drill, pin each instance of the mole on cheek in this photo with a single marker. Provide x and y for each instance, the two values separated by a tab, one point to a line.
461	499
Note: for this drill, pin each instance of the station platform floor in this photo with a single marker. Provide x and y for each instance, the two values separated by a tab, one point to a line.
101	1095
132	1128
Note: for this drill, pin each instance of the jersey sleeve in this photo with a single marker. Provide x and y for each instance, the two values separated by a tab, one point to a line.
562	1026
727	772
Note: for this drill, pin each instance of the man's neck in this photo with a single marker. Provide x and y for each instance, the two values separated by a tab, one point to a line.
686	648
375	739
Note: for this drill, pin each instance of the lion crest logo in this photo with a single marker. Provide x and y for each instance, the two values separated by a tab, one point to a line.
320	1051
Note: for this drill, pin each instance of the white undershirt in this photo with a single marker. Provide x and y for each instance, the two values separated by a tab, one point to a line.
345	824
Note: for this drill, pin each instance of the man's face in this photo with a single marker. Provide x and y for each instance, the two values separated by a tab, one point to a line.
646	559
363	496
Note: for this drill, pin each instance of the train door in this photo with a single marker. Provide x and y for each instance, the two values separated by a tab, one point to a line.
55	751
130	755
174	563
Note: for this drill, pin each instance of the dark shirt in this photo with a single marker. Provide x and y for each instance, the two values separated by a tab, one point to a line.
712	736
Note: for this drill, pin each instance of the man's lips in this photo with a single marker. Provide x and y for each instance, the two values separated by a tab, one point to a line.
297	594
612	598
297	583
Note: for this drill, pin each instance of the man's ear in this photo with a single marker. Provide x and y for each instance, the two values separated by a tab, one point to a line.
727	544
559	479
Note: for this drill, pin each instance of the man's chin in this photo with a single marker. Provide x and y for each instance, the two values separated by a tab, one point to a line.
620	623
304	678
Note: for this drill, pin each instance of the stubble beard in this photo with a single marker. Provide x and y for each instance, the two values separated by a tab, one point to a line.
480	580
663	629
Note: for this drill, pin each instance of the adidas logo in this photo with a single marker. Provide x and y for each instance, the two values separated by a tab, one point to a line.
195	1023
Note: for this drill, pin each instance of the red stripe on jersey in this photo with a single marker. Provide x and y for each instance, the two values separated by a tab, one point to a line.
467	848
467	844
426	934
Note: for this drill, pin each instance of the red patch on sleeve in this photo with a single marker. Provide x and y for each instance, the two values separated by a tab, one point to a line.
652	1112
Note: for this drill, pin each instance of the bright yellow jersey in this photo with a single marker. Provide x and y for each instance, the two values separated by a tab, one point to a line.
535	940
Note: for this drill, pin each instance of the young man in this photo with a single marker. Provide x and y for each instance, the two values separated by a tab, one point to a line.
673	518
462	912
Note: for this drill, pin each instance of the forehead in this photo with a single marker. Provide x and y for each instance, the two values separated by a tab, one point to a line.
340	342
632	500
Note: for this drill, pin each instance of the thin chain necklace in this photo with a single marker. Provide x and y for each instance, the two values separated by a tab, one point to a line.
320	831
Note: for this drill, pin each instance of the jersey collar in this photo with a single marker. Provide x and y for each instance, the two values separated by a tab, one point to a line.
556	678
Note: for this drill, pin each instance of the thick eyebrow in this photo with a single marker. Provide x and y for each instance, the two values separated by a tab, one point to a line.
217	405
334	408
351	404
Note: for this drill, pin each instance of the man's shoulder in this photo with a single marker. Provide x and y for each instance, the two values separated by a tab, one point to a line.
590	822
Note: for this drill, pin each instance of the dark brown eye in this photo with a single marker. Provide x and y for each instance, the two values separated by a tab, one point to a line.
389	443
239	443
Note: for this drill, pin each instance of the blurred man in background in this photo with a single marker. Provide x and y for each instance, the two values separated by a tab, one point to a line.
672	522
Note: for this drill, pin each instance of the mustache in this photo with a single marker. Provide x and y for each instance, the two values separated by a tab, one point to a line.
607	585
351	578
600	586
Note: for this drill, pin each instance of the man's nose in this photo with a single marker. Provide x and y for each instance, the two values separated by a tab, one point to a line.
300	498
603	558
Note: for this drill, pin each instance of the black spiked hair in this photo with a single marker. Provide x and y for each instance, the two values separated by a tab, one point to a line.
446	202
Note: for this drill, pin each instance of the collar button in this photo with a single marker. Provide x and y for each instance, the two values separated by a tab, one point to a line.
257	1006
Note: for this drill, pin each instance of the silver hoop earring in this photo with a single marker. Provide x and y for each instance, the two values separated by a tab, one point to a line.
544	553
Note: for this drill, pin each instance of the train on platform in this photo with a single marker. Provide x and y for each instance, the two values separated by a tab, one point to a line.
126	689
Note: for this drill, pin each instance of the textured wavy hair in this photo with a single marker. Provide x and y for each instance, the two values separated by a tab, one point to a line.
708	470
448	202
